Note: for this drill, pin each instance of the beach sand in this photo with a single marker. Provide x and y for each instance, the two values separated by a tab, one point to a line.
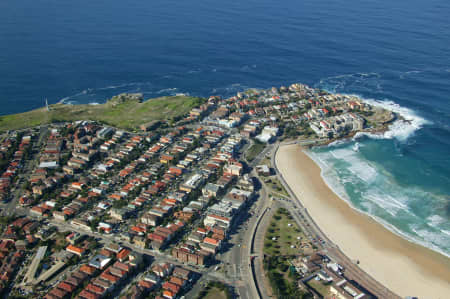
405	268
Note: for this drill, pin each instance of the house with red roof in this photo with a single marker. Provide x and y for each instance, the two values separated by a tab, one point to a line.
88	295
66	287
171	287
169	294
75	250
123	254
95	289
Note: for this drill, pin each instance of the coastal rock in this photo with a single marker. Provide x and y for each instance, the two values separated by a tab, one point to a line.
125	97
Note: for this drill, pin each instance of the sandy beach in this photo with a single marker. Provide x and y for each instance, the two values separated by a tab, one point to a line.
404	267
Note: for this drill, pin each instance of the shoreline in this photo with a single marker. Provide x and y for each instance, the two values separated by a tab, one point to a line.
385	224
405	267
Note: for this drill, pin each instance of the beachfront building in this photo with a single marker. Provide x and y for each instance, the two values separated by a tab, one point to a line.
268	134
337	125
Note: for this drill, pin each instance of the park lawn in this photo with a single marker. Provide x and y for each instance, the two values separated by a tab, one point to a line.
282	281
285	235
127	114
254	150
215	290
266	161
215	293
275	186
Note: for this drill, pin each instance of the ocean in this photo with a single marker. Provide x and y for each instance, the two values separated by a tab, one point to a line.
394	53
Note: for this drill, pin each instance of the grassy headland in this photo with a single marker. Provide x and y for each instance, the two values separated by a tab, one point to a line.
123	111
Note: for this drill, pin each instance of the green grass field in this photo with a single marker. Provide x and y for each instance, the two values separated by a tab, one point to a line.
128	114
254	150
275	186
284	234
215	293
215	290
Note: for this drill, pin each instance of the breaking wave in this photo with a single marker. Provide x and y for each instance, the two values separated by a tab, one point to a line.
401	129
229	90
368	188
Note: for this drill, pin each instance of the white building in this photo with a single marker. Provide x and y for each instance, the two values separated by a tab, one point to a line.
267	134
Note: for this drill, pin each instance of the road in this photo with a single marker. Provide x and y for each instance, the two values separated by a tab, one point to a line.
258	250
237	261
10	208
49	273
239	269
29	276
244	261
158	256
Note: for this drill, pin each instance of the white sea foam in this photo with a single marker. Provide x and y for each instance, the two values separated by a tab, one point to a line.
367	81
408	237
89	91
434	240
167	90
118	86
248	67
379	193
329	175
82	96
337	142
405	74
388	203
436	221
400	129
364	171
445	232
68	99
230	90
63	100
359	135
342	153
358	166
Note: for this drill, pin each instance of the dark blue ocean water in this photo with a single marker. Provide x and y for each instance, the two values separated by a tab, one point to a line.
398	51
